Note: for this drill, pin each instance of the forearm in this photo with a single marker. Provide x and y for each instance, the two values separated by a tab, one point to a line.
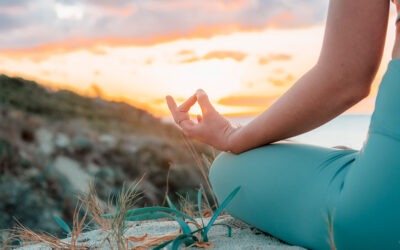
307	105
350	56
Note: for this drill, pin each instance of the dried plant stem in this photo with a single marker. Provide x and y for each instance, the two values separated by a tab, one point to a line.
201	165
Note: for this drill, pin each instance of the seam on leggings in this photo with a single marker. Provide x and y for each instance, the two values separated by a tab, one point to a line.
335	156
342	168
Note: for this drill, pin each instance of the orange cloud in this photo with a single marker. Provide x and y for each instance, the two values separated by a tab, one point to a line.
191	59
42	52
216	54
279	82
274	57
149	61
247	101
225	54
185	52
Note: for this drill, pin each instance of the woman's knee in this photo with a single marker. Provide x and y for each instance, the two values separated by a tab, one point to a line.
218	174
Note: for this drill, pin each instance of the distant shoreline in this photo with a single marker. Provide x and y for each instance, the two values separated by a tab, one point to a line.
347	129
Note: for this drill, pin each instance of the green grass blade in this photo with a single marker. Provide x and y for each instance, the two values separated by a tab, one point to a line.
187	239
199	203
183	238
62	224
218	212
170	204
148	216
184	226
146	210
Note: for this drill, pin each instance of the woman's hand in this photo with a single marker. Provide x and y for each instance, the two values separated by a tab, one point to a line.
211	128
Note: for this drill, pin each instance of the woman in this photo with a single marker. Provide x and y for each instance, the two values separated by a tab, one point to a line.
299	193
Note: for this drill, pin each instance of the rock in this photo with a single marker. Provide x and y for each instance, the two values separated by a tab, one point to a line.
62	141
71	169
129	147
108	141
82	144
45	140
104	183
92	168
31	207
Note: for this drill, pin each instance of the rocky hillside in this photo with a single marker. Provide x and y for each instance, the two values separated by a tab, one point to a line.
53	143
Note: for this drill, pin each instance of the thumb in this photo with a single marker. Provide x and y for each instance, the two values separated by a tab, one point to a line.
204	102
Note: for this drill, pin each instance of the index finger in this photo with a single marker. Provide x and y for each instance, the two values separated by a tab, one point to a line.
171	103
184	107
172	106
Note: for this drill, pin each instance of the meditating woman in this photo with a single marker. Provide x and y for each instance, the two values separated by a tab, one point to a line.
307	195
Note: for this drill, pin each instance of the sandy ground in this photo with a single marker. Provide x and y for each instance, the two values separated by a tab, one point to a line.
243	236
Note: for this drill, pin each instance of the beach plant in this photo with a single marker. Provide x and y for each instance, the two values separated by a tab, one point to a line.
188	236
116	226
62	224
25	235
203	164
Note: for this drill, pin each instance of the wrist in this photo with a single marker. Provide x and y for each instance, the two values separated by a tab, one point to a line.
232	145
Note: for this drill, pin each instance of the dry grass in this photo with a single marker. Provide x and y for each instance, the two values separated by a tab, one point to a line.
116	226
147	242
29	237
329	222
95	207
203	164
187	206
88	205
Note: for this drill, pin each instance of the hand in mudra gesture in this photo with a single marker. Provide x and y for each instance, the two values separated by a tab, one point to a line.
210	128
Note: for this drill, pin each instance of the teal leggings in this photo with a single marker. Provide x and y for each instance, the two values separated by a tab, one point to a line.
291	190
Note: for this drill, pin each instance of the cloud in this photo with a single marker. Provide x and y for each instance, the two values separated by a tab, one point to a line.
189	56
10	3
248	101
283	81
145	21
274	57
186	52
225	54
190	59
204	5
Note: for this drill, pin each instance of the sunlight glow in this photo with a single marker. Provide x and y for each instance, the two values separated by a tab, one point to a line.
243	72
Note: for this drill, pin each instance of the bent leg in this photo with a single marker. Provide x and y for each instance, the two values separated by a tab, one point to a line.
368	211
286	189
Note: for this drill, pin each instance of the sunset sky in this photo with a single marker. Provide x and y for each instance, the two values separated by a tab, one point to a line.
245	54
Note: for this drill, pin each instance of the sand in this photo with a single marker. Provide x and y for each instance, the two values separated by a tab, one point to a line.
243	236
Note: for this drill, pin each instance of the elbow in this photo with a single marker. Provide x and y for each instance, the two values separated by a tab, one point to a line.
354	92
354	82
360	82
360	92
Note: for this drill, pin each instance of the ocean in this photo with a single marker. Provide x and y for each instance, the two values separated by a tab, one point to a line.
345	130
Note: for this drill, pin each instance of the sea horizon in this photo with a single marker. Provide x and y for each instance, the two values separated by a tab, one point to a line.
348	130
